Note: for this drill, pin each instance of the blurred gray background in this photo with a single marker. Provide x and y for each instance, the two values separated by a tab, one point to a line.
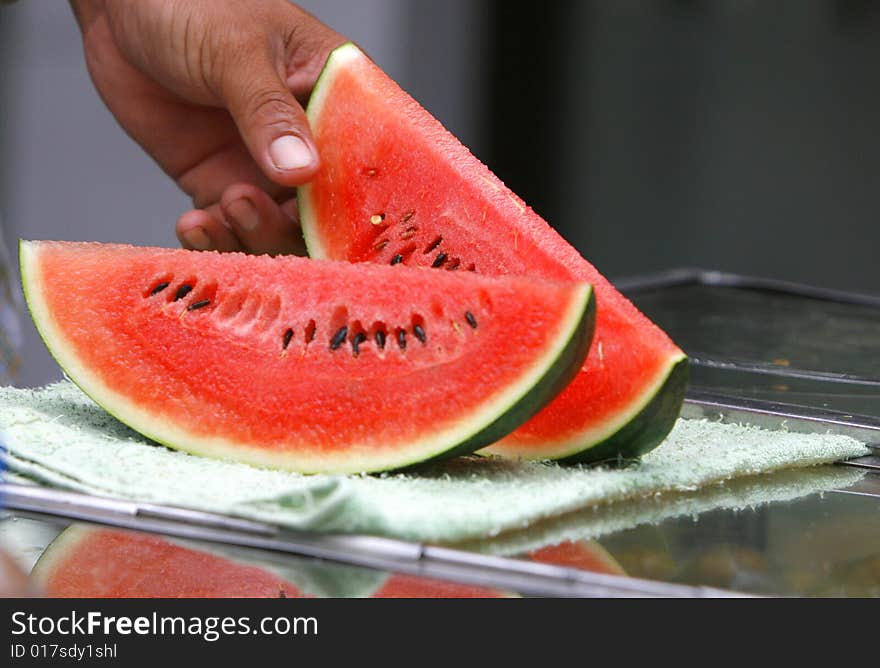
731	134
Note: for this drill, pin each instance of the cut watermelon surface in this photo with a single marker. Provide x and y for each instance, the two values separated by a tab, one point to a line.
396	188
412	586
93	562
584	555
87	561
302	364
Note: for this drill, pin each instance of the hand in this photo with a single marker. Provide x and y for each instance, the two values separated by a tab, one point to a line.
213	91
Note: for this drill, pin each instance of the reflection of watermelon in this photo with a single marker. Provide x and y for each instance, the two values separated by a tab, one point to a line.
95	562
296	363
585	555
411	586
396	187
90	562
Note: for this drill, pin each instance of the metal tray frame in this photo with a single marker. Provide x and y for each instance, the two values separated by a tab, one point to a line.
632	286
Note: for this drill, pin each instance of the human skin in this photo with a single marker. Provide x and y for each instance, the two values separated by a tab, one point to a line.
214	91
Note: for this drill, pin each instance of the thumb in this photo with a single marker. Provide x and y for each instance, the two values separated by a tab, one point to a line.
272	124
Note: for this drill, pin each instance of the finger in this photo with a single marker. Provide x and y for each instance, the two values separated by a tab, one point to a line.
204	229
271	121
206	180
260	224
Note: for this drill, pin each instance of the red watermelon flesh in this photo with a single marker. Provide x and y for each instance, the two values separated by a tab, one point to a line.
95	562
396	187
411	586
92	562
584	555
303	364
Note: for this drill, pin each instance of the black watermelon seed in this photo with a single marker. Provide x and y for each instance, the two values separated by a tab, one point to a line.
397	259
199	304
159	288
288	335
471	320
183	291
359	338
401	339
380	339
420	333
338	338
439	260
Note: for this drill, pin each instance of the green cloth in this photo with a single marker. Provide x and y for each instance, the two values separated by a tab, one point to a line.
57	436
738	494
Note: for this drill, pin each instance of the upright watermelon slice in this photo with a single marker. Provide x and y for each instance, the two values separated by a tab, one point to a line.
302	364
396	187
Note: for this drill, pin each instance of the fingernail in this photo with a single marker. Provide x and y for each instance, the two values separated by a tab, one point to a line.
243	213
290	152
197	238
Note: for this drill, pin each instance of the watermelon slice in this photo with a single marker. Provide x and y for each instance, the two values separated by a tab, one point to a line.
396	187
92	562
301	364
412	586
97	562
585	555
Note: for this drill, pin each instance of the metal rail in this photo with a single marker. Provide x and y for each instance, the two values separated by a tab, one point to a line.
523	577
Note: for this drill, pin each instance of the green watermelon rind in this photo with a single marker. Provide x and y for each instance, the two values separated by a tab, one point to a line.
632	434
47	563
570	359
648	428
305	210
489	422
628	436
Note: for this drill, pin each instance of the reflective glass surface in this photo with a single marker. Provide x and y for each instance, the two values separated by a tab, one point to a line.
774	345
809	533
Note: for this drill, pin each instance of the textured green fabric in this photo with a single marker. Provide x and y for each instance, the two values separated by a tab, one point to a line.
737	494
58	436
